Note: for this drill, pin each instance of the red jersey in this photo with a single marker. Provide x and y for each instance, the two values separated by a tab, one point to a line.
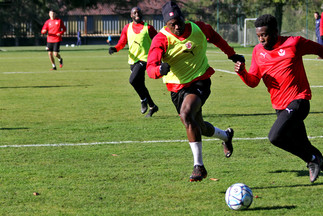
159	46
137	29
282	69
321	25
54	27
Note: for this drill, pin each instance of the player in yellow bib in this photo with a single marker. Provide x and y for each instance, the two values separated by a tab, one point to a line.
178	55
138	35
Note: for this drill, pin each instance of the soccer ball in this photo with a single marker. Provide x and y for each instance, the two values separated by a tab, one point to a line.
238	196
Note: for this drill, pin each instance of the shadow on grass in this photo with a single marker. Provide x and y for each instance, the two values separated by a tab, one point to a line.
247	114
54	86
272	208
19	128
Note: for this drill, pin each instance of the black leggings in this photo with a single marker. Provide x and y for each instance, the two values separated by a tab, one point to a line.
289	132
137	80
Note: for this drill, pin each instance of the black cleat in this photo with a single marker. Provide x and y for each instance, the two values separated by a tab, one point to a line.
198	174
54	68
227	146
61	63
152	110
314	168
144	106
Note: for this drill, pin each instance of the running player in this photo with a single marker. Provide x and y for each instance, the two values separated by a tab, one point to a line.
178	55
277	60
138	35
55	29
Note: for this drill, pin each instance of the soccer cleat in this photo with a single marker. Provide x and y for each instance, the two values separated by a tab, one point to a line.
61	63
144	106
152	110
198	174
314	168
54	68
227	146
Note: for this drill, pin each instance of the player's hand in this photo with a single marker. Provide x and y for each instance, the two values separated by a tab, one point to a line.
112	50
239	66
235	58
164	69
43	31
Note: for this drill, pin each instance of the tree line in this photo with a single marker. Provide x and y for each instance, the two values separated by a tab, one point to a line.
295	13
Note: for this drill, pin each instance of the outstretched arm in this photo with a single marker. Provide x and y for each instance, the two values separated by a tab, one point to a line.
249	79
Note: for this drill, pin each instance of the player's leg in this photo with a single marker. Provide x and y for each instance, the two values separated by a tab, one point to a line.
57	55
190	107
50	49
289	133
137	80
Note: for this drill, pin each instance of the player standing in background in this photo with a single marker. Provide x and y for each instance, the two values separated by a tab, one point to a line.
278	61
55	29
317	27
138	35
178	55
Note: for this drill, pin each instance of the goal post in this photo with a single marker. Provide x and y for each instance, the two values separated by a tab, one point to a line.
245	30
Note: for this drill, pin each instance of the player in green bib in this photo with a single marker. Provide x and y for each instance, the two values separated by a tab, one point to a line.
138	35
178	55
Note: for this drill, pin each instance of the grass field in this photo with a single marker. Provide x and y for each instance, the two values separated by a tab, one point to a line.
76	137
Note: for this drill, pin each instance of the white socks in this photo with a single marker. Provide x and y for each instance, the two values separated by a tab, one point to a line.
221	134
196	148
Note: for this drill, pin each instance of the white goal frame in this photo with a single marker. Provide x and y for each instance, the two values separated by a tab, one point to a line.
245	30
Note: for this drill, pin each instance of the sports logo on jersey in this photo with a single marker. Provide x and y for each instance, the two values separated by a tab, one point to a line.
56	23
281	52
263	54
188	45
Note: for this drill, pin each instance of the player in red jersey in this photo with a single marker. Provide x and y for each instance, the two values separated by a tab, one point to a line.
55	29
277	60
178	55
138	35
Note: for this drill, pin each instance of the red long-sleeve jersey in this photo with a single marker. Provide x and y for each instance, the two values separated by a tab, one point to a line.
321	25
282	69
54	27
136	28
159	46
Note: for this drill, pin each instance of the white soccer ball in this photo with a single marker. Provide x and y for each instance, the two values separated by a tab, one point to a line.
238	196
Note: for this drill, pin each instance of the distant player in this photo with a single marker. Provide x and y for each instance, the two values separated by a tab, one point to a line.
178	55
55	29
138	35
277	60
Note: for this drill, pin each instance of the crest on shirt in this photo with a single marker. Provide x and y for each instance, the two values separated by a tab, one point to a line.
188	45
56	23
171	14
281	52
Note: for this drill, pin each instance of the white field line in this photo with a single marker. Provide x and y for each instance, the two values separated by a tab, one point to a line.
126	142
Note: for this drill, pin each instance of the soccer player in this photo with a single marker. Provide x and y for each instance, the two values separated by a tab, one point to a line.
317	27
138	35
277	60
178	55
55	29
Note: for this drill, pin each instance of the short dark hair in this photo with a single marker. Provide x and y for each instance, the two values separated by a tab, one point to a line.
266	20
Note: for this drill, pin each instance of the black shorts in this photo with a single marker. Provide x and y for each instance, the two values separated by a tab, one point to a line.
201	88
53	47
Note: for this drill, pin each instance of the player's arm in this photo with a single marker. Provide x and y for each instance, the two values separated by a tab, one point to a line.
305	47
63	28
122	41
45	28
252	78
214	38
152	31
155	68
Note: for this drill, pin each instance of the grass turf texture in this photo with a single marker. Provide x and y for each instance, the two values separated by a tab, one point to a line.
90	100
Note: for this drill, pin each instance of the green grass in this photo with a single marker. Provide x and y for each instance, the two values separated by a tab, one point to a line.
90	101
